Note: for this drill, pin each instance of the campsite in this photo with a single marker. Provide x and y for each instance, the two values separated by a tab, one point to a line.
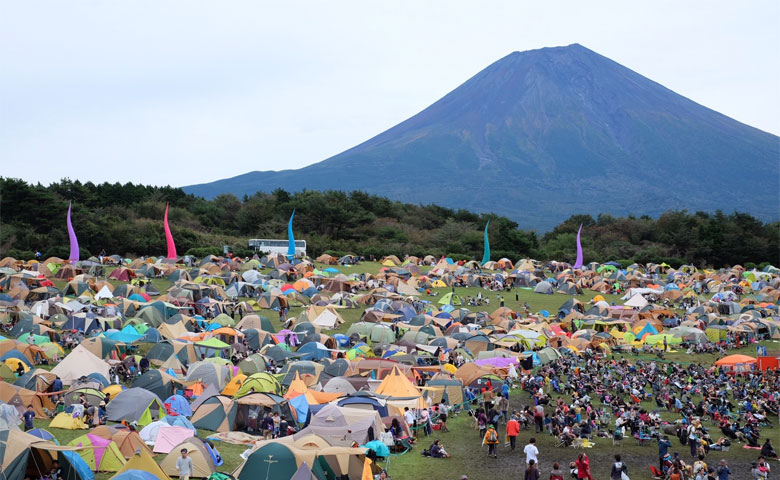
152	355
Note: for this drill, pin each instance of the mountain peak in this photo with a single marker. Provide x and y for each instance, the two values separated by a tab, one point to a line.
542	134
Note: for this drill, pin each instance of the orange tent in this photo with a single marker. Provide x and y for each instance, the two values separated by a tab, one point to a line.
736	359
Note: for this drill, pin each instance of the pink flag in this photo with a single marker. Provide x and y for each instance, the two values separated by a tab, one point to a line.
169	237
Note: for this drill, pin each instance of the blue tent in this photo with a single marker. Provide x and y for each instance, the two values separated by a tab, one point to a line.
45	435
133	474
126	335
378	447
648	329
77	464
179	405
100	378
312	351
18	355
152	335
179	421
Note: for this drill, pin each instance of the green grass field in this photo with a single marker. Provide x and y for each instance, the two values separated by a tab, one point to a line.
462	442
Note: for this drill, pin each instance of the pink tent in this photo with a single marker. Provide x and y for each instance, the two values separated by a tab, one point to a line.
100	445
170	436
498	362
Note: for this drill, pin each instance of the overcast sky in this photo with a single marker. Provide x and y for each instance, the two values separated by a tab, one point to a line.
186	92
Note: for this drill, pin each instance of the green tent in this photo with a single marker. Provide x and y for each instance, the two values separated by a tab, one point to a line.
262	382
273	460
450	299
217	413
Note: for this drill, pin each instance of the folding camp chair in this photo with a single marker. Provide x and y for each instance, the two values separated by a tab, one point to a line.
657	474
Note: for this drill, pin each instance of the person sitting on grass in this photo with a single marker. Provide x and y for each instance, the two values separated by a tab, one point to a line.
438	451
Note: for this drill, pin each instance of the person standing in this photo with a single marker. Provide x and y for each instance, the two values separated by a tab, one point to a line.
618	468
583	467
538	418
184	465
723	470
28	417
512	431
663	449
491	440
531	452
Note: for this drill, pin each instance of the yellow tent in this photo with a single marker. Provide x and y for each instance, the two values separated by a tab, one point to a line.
438	284
397	385
113	390
13	364
388	263
313	397
66	421
142	460
233	385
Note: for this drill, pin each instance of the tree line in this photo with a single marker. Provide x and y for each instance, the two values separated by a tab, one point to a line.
127	220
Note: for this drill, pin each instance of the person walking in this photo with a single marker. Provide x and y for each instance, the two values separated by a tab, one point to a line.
531	452
184	465
491	440
512	430
531	472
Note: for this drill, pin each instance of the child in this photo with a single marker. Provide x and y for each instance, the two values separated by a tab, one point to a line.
556	473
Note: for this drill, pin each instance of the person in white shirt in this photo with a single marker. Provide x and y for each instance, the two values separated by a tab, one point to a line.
410	417
531	452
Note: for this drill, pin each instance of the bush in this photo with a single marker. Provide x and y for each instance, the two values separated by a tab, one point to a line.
64	252
200	252
21	254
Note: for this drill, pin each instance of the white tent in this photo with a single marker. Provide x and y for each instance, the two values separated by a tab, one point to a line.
326	319
80	362
104	293
637	301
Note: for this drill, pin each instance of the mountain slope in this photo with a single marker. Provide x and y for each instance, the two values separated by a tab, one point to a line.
543	134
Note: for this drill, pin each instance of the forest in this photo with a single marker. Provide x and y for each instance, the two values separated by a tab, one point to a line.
126	219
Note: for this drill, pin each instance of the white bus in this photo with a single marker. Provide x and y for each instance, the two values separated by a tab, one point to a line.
267	245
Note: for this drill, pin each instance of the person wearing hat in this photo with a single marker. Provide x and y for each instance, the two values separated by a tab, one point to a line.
491	440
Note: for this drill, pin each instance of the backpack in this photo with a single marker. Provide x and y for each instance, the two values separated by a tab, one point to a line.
492	436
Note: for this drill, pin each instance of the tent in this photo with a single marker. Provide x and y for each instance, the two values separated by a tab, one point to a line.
100	455
79	361
67	421
178	405
637	301
169	436
23	455
202	463
209	374
737	363
134	474
273	460
21	397
128	441
217	413
135	405
142	460
259	382
156	382
544	287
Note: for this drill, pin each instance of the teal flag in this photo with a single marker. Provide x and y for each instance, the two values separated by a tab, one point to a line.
290	238
486	255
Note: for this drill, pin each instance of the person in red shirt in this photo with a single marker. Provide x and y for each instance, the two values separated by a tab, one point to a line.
583	467
513	430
